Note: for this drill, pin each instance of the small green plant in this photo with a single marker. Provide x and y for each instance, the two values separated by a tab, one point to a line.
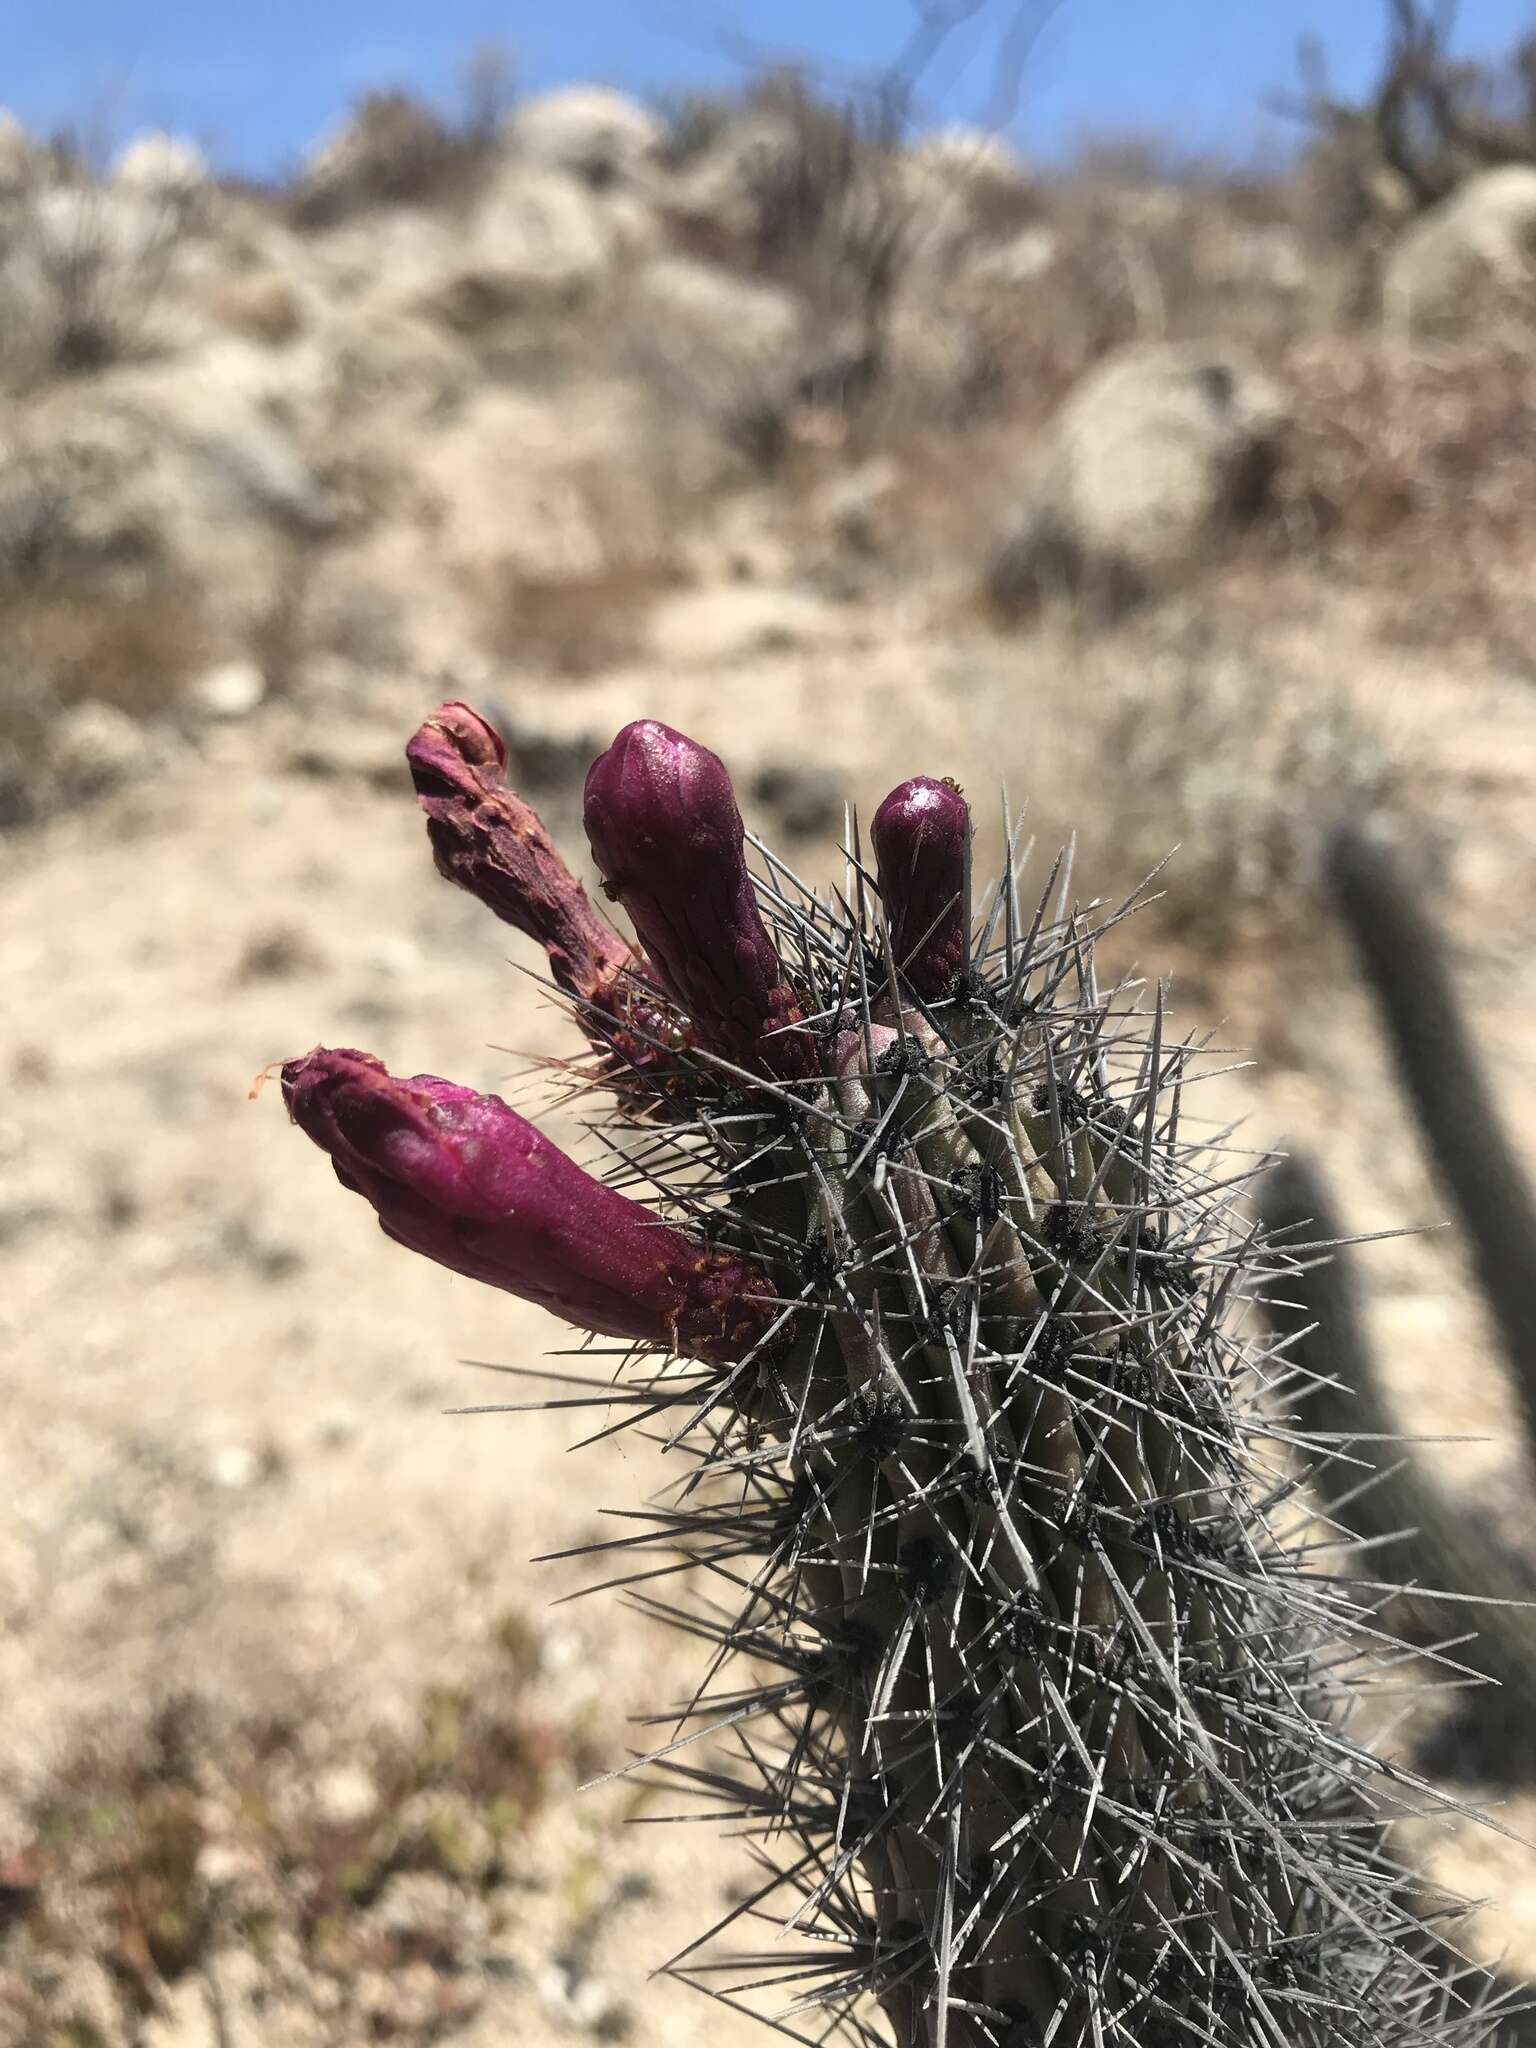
909	1255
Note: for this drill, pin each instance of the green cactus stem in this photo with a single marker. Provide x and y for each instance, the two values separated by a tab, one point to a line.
1042	1730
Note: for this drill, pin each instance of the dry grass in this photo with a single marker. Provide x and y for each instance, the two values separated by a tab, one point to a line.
370	1868
1410	470
67	639
1240	766
76	296
400	151
263	308
68	642
573	625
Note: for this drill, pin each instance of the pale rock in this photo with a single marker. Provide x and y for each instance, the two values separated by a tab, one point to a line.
537	241
235	1467
170	167
213	444
346	1795
1152	449
589	132
963	193
725	339
707	628
395	955
507	477
963	154
855	509
1023	259
231	690
1486	229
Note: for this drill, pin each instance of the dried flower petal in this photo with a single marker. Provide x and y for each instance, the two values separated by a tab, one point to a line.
922	841
490	842
466	1181
662	820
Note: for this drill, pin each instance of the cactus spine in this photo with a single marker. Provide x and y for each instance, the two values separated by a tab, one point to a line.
1040	1724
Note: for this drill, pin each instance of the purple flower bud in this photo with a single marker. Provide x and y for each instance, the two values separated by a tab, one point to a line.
466	1181
488	841
665	831
922	840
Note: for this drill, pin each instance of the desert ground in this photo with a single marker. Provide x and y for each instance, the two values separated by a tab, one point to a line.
295	1729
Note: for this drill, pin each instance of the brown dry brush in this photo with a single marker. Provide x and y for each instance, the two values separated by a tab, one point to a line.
1041	1728
1382	1489
1429	121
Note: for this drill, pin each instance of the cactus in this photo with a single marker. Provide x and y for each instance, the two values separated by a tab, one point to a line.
1404	963
1380	1492
1396	1506
1041	1727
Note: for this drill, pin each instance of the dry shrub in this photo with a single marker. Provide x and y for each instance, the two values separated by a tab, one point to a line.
575	624
133	646
335	1859
1409	470
612	547
394	150
68	643
1166	263
264	308
826	213
1240	764
83	266
1416	465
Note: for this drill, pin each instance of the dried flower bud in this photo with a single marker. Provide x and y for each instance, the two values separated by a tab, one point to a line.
487	840
922	840
466	1181
665	831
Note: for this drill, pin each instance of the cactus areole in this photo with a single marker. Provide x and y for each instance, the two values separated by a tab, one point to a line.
1040	1723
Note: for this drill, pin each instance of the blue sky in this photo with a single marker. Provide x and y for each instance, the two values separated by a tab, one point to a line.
255	82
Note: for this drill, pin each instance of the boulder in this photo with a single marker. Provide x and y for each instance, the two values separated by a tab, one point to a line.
964	191
167	167
588	132
511	479
731	334
1156	447
723	356
1485	231
539	235
962	154
168	477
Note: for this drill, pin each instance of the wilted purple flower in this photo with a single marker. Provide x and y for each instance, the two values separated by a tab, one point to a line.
665	831
487	840
465	1180
922	840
